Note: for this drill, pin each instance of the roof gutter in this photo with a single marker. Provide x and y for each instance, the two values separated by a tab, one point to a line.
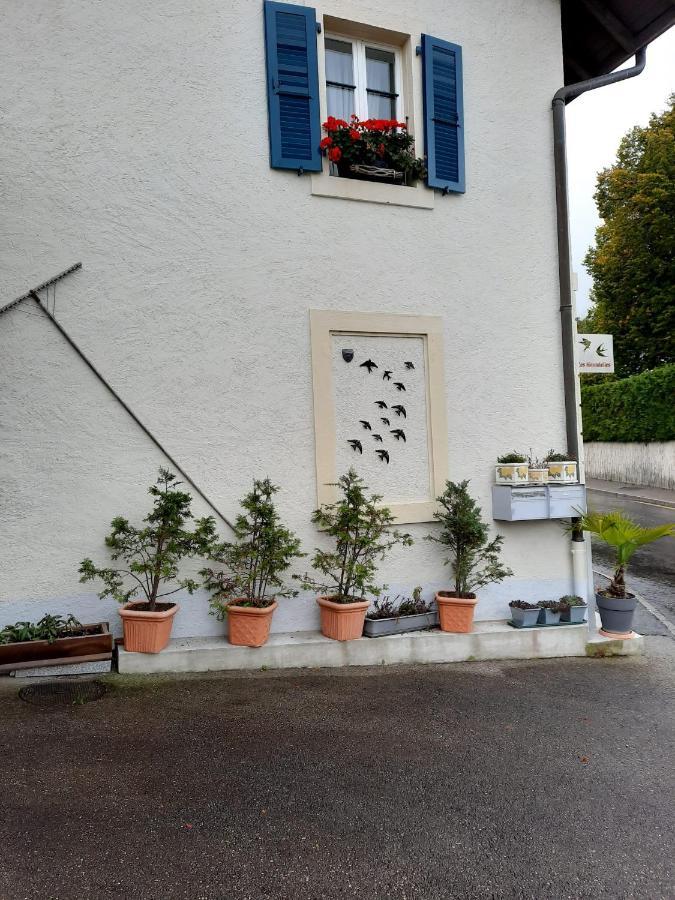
562	97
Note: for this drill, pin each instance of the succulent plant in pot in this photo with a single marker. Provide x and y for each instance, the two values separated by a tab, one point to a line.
523	614
152	555
573	609
511	468
549	612
615	604
245	589
562	467
361	532
472	556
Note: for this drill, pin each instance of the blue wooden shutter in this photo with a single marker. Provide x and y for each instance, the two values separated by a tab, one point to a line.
292	86
443	114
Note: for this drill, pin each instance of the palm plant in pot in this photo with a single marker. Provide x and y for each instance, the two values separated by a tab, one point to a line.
361	533
245	590
152	555
473	558
615	604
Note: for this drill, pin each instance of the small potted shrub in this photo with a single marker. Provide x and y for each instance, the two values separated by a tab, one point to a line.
573	609
512	468
523	614
361	532
399	614
615	604
54	640
537	471
473	558
152	556
549	612
561	468
245	591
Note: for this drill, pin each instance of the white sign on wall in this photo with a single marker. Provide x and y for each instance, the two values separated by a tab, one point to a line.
595	353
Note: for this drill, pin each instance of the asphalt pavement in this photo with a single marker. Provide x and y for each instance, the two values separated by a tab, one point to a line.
539	779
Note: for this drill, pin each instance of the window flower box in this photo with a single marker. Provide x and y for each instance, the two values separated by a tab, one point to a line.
379	150
85	643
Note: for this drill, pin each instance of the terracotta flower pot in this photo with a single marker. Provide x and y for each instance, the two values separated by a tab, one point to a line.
249	626
455	613
342	621
145	631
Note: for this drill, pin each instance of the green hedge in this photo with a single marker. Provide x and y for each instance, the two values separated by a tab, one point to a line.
639	408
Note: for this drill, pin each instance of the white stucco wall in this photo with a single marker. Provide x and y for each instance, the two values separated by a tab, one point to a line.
136	141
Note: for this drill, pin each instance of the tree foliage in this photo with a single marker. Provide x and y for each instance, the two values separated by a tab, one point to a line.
361	532
152	554
633	261
473	558
640	408
254	564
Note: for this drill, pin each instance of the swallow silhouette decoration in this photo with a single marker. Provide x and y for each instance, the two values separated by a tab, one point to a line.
368	364
381	404
399	434
378	437
585	342
356	445
399	386
409	365
387	375
384	455
400	411
386	421
366	425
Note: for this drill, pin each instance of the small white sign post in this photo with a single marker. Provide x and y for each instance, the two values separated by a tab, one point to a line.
595	353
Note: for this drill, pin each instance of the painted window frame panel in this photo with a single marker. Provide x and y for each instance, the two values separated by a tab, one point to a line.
326	323
433	181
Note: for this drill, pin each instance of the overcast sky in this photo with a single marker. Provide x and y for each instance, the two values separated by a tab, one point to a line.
596	122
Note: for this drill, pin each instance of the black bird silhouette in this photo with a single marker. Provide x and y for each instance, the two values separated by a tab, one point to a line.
386	421
399	385
381	404
387	375
398	434
400	411
366	425
369	364
356	445
409	365
383	454
378	437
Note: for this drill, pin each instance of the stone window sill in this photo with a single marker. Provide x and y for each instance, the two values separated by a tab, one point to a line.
325	185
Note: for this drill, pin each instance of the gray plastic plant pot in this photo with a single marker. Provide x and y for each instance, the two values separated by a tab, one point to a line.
575	615
616	613
524	618
399	624
548	617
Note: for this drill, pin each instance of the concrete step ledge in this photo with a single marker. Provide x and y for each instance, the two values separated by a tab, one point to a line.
309	649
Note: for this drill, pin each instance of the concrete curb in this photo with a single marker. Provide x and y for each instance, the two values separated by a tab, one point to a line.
627	495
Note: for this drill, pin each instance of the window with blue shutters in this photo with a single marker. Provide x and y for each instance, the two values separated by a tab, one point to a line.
443	114
292	86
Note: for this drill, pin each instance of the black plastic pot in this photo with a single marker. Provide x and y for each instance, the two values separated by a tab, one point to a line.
616	613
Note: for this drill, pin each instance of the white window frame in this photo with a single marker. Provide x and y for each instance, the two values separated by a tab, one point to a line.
360	73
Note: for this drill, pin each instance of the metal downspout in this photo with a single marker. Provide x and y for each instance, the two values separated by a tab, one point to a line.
581	561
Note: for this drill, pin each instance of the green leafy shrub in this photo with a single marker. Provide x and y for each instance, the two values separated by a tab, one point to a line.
361	532
253	565
640	408
473	558
553	456
152	554
511	458
49	628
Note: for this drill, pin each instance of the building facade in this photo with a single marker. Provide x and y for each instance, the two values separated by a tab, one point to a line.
174	150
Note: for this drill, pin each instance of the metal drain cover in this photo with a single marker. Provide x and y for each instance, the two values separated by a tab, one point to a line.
62	693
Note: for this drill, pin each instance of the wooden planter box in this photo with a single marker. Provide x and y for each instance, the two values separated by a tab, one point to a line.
96	644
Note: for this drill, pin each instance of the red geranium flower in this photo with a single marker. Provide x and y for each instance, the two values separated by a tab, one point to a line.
334	154
326	142
354	134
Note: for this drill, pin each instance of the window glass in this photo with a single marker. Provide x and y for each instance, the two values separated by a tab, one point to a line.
380	83
339	78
